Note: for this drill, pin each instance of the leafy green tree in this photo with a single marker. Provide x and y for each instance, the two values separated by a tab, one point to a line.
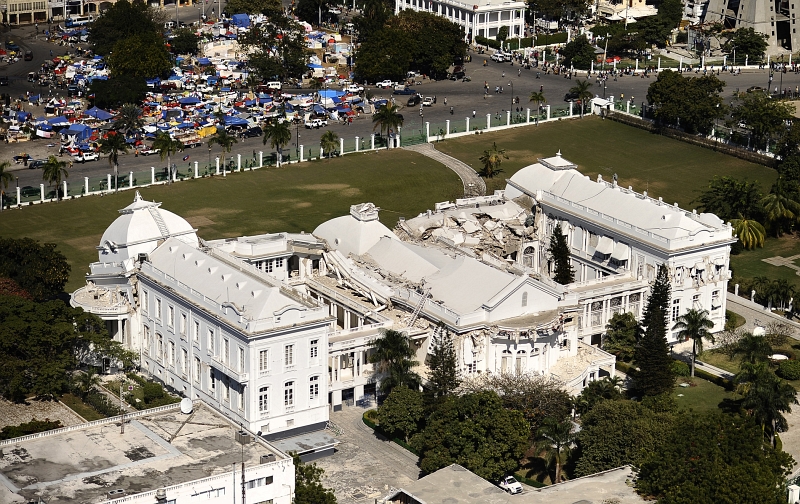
753	349
328	142
729	198
714	457
121	89
313	11
781	209
129	118
582	89
121	21
616	433
692	103
387	118
308	488
53	172
596	391
579	53
750	232
113	144
87	381
556	440
278	134
491	160
5	179
384	56
695	325
476	432
765	118
747	42
443	375
374	14
185	41
766	397
620	336
559	251
654	376
502	33
39	269
394	357
168	147
276	49
402	413
538	97
140	55
225	141
252	6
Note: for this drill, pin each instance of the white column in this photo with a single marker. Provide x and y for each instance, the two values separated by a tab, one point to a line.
196	172
130	180
528	115
372	141
427	130
321	152
85	186
238	162
467	124
488	122
261	159
508	118
628	106
301	154
216	160
447	127
570	108
108	181
41	192
356	144
659	62
637	65
341	146
152	174
64	184
19	191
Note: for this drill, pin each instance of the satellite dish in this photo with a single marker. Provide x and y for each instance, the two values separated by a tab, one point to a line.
186	406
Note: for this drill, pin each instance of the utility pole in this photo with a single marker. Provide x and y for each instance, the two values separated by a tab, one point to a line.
121	407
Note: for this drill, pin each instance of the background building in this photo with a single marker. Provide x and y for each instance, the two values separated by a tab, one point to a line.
479	19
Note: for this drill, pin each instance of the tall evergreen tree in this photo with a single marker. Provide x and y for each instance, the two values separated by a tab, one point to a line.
443	378
559	250
652	352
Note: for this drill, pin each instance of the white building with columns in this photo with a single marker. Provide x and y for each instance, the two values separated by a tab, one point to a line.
479	19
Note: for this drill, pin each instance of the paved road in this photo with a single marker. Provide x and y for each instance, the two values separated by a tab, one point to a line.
473	184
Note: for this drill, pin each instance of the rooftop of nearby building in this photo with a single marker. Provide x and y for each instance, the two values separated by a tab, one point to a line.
84	463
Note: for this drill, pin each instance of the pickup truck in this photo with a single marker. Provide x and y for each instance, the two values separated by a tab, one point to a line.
316	123
354	88
384	84
428	101
148	151
511	485
82	157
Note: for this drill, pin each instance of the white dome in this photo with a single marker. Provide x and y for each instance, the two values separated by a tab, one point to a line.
355	233
139	230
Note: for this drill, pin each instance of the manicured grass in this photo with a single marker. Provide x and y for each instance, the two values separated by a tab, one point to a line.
749	264
293	198
722	361
701	396
75	404
662	166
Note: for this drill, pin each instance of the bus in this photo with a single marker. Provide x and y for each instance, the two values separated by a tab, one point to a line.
72	22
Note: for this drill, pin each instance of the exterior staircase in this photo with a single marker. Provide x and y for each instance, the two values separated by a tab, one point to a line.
162	226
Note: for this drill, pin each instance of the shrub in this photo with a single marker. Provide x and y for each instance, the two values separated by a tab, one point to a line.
663	403
717	380
789	370
32	427
680	368
102	404
152	392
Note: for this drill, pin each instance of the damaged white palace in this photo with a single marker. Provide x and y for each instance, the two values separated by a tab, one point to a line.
274	329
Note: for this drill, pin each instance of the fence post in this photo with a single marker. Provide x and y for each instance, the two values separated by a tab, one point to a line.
301	154
19	191
216	160
321	151
130	180
467	125
356	144
628	106
488	122
548	111
528	116
65	189
341	146
508	117
238	162
427	131
372	142
41	192
570	108
447	127
196	172
108	181
85	187
152	174
261	159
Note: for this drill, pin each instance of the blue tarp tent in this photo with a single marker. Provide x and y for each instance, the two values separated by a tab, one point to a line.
319	110
189	100
79	131
58	121
313	65
234	121
240	20
98	114
203	61
330	93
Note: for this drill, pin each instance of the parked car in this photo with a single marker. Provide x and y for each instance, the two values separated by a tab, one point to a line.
82	157
28	55
36	163
148	151
511	485
253	132
192	144
316	123
755	89
571	96
3	80
414	100
427	101
385	84
404	91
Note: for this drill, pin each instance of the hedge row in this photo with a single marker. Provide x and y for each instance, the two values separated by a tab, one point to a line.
102	404
717	380
377	428
33	427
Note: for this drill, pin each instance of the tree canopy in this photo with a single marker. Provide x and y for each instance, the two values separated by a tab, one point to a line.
578	53
38	268
443	375
747	43
395	359
402	412
692	103
559	251
620	336
308	487
767	119
652	352
277	49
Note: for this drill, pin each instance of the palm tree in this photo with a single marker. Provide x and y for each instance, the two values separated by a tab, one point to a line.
781	292
387	118
491	160
538	97
753	349
54	171
581	88
393	355
129	118
328	142
695	324
780	207
167	146
766	397
557	440
225	140
113	144
278	134
5	179
88	381
750	232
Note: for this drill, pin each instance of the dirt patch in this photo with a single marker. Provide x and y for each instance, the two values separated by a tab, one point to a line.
303	204
204	212
199	221
84	243
325	187
139	453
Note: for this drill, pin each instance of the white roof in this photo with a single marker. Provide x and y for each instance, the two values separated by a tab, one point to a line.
139	229
355	233
613	202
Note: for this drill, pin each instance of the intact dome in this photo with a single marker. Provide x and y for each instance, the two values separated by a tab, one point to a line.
140	229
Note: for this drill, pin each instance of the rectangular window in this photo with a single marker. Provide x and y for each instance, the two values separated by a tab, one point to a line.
145	301
313	388
268	266
263	399
288	355
288	394
146	343
676	309
696	302
241	397
183	324
184	361
314	353
211	341
226	392
171	353
171	316
196	332
279	262
715	305
160	355
263	360
226	349
241	359
158	308
197	368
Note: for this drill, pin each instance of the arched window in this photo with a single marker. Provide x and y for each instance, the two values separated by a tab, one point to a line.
524	299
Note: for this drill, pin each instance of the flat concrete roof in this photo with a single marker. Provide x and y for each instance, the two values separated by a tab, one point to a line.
308	442
613	484
158	450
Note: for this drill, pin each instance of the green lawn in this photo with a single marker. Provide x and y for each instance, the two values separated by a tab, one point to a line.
664	167
722	361
75	404
749	264
293	198
700	396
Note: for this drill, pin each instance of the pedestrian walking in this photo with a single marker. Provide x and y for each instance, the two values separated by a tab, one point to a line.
473	112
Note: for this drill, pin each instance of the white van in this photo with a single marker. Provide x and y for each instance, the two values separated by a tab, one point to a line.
274	85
